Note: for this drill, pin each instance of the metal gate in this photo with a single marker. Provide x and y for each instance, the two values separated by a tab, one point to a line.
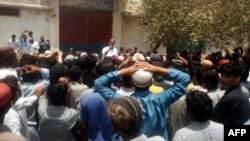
84	30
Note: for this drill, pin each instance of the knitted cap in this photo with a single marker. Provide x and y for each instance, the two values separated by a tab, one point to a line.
142	78
5	95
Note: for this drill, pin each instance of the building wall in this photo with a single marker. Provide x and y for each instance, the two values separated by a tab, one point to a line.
34	20
42	2
89	4
39	16
126	28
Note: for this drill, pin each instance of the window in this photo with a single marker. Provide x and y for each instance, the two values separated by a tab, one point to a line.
9	11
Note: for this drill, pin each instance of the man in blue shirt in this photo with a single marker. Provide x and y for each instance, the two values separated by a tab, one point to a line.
94	118
154	106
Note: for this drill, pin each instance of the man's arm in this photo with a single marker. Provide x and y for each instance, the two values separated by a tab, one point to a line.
103	85
181	81
170	95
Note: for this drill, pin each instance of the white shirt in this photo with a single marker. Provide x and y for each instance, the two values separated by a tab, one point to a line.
125	91
15	45
144	138
56	122
12	120
197	131
110	53
34	48
215	95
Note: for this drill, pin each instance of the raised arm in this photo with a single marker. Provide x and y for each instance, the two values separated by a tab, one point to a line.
103	83
171	94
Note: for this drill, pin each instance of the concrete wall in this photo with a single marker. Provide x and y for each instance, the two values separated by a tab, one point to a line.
89	4
35	20
126	28
39	16
41	2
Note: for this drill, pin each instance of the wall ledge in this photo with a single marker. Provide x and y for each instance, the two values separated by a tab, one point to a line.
25	6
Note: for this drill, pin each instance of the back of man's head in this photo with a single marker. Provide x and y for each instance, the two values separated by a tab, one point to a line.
57	93
199	105
12	82
5	96
210	79
104	67
57	71
75	73
159	77
126	115
8	58
28	59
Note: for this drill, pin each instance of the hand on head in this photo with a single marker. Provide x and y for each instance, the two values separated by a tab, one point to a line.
139	65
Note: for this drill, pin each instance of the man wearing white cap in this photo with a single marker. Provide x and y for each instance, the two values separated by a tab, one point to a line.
154	106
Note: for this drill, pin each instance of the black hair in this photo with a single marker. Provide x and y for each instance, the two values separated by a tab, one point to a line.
57	71
126	79
232	68
28	59
246	60
210	79
87	64
75	73
104	67
199	105
8	58
159	77
57	93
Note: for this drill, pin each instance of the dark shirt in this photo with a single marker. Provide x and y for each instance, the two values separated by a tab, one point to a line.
233	108
43	46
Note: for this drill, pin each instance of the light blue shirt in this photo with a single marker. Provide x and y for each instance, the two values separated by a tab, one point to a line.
154	106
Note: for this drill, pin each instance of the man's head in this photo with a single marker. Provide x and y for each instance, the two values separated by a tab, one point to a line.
105	67
142	79
159	77
199	105
13	37
210	80
42	38
24	37
126	116
230	75
112	42
75	73
57	93
5	96
31	40
14	86
57	71
28	59
8	58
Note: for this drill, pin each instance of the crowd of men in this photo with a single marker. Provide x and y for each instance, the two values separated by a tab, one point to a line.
120	95
27	45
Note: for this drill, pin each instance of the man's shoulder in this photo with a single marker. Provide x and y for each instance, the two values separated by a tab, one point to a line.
106	47
156	138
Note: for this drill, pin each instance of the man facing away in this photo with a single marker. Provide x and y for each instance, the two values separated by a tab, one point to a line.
154	106
126	116
199	108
